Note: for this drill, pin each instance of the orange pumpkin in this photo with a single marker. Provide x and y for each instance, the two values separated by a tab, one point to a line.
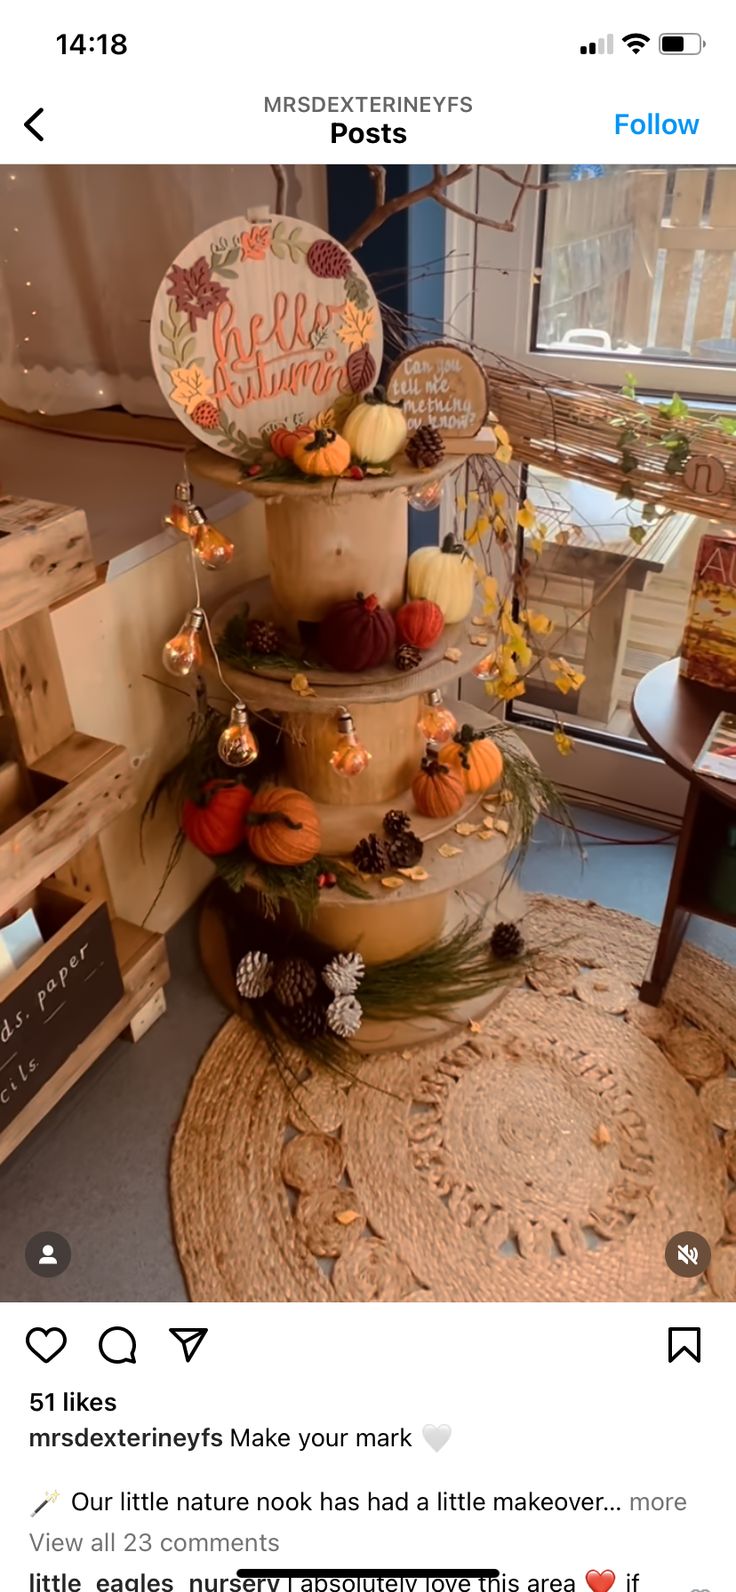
282	441
475	757
215	820
283	827
420	623
437	790
322	453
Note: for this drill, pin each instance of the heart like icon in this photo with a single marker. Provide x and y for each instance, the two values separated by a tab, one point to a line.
46	1342
600	1580
436	1436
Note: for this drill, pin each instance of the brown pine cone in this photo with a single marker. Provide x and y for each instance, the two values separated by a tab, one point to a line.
407	657
326	259
425	448
395	822
404	850
507	940
307	1020
370	855
263	638
294	981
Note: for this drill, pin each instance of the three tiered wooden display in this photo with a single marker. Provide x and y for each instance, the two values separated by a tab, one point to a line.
265	326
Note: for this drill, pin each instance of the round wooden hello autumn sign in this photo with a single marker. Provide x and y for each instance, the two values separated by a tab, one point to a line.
262	323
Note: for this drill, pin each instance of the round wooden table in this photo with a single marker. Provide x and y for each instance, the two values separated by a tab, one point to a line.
675	716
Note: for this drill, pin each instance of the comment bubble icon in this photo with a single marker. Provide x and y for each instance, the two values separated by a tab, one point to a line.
117	1345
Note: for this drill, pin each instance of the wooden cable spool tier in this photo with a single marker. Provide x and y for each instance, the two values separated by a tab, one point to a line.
261	327
344	546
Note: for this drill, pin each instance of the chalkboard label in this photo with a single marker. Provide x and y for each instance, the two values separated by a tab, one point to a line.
442	387
49	1014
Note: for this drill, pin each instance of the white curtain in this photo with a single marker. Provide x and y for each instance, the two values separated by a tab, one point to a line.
82	251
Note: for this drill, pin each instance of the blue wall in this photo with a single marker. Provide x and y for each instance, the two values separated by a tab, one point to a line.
393	258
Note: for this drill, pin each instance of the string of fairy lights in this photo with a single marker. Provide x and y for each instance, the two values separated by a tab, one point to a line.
183	655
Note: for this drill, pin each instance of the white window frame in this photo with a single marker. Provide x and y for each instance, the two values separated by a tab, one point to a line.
504	320
500	319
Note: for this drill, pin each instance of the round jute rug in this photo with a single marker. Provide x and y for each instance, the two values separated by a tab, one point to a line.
549	1156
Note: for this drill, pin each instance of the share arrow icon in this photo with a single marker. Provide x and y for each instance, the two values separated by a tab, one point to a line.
190	1339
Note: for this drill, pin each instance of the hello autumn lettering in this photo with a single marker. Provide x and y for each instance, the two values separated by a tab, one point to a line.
284	356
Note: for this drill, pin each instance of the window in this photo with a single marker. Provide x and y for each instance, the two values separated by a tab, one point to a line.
639	262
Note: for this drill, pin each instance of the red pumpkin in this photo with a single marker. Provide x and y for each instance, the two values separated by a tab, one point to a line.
357	635
216	820
420	623
282	441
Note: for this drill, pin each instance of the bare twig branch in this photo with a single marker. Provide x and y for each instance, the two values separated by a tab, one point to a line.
401	202
436	189
280	175
520	182
378	174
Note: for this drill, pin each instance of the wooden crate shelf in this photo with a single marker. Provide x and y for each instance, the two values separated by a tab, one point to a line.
145	971
66	815
45	555
59	788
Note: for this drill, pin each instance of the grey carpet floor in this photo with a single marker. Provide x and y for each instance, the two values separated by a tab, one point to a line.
96	1168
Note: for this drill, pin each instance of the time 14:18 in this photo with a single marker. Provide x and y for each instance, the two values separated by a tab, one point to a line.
107	43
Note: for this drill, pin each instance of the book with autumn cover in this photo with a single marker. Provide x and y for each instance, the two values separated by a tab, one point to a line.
709	642
718	757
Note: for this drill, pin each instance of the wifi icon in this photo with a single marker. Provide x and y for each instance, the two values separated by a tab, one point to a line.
635	41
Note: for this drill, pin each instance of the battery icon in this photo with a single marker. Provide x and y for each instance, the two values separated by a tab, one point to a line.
680	43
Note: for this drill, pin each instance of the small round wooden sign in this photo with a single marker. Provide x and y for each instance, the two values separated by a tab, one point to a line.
262	323
440	386
704	473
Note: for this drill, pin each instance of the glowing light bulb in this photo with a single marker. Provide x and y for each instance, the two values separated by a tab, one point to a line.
427	497
237	745
435	721
212	548
349	756
178	516
184	652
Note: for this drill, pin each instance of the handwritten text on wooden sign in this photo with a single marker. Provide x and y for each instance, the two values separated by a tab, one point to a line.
259	324
48	1015
442	387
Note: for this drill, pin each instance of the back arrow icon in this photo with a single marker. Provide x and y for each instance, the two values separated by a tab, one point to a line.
30	126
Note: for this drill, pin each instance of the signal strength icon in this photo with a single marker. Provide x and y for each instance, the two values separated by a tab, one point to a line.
602	47
635	41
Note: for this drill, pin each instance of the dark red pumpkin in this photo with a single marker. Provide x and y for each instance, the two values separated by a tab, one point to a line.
216	820
357	635
420	623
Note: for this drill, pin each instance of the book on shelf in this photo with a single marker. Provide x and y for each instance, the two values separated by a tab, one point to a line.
718	757
709	643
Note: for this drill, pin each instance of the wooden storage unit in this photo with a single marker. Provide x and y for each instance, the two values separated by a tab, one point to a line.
58	789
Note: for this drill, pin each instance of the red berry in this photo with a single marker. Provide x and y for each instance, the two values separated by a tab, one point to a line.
255	469
356	472
330	881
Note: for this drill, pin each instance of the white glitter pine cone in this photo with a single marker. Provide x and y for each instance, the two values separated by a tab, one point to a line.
254	975
343	974
344	1016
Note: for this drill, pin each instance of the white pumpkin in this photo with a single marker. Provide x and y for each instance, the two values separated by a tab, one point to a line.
444	575
375	428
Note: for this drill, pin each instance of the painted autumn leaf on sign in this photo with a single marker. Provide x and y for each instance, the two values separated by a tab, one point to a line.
356	327
188	386
254	244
